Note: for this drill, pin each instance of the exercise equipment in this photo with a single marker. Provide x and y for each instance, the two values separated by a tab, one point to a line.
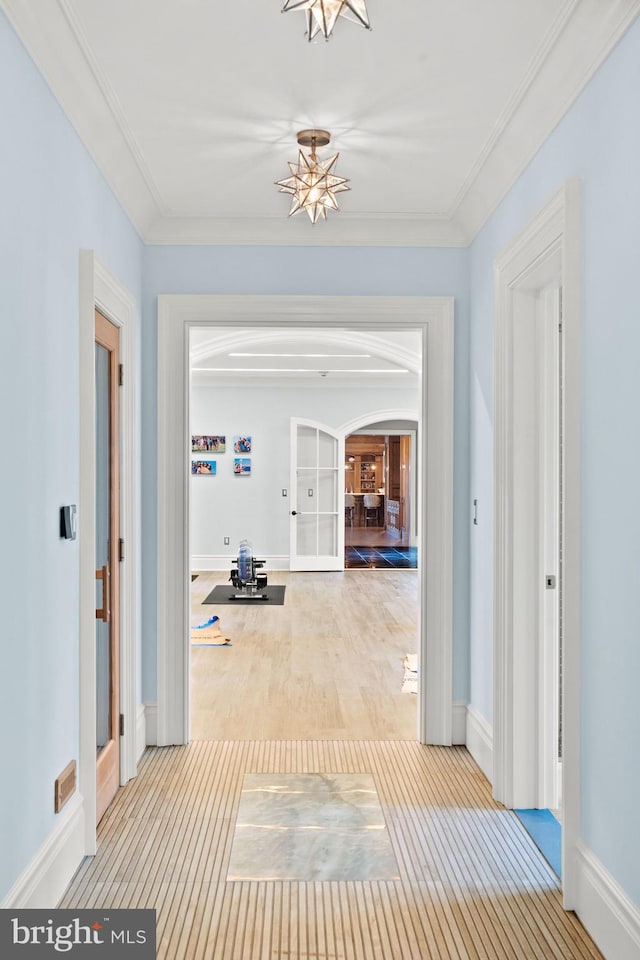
247	582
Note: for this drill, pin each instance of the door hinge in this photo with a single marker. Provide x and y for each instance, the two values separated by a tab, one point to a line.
121	549
121	727
120	374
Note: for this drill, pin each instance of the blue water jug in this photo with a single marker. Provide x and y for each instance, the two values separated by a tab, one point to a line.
245	556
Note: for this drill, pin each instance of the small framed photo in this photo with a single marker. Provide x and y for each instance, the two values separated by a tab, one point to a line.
242	466
208	443
242	444
203	468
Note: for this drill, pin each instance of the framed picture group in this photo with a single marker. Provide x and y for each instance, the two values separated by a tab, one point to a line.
204	445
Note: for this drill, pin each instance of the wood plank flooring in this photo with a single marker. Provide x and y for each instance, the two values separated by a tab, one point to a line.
327	665
472	885
373	537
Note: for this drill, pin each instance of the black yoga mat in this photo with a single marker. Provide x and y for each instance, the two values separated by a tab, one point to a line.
224	594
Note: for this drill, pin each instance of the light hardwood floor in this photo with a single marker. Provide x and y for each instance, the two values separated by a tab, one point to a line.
327	665
472	884
372	537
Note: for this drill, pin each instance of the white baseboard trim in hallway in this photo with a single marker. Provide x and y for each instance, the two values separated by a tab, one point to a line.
151	722
605	910
480	742
48	875
459	723
141	732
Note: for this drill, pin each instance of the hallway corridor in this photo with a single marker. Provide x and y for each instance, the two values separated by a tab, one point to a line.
472	886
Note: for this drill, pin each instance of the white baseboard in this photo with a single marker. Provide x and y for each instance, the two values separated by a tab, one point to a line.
605	910
141	731
203	564
151	722
459	723
480	742
43	883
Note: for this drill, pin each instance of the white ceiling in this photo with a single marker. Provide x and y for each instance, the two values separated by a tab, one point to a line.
303	357
191	107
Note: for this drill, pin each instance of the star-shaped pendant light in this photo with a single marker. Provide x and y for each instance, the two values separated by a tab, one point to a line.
313	183
322	14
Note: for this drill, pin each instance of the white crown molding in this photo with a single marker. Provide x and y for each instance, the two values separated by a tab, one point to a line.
581	37
67	63
392	231
516	99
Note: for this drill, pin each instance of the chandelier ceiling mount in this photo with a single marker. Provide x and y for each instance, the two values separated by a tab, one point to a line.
321	15
313	183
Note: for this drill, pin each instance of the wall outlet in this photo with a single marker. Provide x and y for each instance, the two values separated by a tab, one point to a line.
227	541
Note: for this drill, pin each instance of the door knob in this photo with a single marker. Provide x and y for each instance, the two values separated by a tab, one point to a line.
294	513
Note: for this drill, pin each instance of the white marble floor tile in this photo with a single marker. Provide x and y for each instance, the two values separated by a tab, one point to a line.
311	827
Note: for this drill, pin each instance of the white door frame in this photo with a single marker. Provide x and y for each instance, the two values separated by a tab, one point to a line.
549	775
100	290
549	245
431	315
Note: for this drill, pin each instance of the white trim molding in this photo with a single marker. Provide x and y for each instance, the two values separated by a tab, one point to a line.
480	741
141	732
48	875
100	289
550	246
434	318
151	722
605	910
459	723
582	35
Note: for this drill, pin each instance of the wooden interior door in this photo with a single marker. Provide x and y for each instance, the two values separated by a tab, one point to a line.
107	537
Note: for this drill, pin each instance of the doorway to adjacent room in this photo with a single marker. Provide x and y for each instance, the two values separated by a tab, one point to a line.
433	318
381	497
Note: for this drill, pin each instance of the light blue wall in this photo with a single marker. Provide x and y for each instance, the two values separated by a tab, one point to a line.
310	270
53	203
227	506
599	142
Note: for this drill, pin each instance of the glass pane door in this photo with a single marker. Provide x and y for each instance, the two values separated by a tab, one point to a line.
317	536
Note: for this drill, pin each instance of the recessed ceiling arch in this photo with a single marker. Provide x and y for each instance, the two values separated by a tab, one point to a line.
222	343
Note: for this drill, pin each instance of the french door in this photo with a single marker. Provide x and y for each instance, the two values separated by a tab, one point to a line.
317	497
107	538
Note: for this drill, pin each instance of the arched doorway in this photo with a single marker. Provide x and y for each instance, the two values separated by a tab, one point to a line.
382	490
